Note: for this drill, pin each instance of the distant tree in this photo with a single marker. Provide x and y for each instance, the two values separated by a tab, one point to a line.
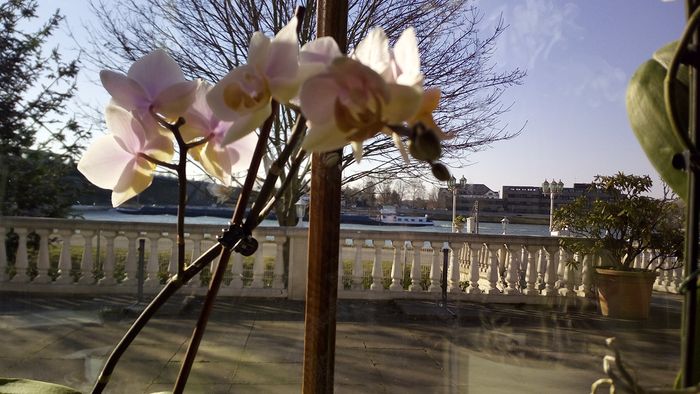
39	141
209	37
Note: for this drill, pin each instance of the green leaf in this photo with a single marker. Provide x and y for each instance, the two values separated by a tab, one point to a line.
664	55
647	115
26	386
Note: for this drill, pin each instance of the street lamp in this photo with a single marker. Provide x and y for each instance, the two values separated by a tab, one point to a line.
553	189
301	210
452	185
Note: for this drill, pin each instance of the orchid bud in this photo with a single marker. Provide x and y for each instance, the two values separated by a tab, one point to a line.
425	145
440	171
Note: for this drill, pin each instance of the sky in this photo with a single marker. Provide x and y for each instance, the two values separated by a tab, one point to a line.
578	55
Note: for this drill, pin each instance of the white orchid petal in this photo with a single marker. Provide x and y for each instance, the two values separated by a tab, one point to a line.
245	147
283	57
258	50
322	50
246	124
357	150
373	51
104	162
125	92
156	72
407	59
403	103
136	178
128	131
323	138
174	100
317	98
400	146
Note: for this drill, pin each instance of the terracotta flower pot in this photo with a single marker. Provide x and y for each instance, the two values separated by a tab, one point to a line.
624	294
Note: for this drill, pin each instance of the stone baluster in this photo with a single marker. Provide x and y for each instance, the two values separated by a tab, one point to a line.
415	267
86	261
453	269
586	287
152	280
259	268
341	265
43	265
550	277
667	273
569	278
377	272
21	258
357	269
396	267
436	267
661	274
236	271
196	281
64	259
561	271
3	256
474	265
278	271
533	253
514	253
172	263
131	266
677	275
541	269
108	266
493	263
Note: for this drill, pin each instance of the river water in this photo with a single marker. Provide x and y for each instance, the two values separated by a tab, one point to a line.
440	226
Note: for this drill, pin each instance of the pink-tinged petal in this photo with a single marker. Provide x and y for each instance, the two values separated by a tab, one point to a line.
246	124
137	177
321	50
284	89
324	138
196	126
213	160
125	92
159	147
127	130
373	51
104	162
228	99
245	147
317	98
283	58
403	103
174	100
156	72
258	50
407	59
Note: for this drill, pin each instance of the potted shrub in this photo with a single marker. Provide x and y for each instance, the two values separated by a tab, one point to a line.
619	223
459	223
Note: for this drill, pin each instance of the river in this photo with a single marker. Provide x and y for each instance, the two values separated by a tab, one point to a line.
440	226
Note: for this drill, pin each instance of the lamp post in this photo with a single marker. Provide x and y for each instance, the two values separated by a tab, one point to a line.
300	210
553	189
452	185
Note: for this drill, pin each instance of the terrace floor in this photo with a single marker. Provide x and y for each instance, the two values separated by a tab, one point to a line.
256	345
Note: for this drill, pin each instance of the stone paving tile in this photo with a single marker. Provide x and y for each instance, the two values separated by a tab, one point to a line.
268	389
353	366
203	372
268	373
195	388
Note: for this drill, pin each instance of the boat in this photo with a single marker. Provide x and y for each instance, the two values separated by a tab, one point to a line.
388	216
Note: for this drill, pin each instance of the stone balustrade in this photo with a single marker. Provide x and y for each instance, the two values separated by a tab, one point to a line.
94	257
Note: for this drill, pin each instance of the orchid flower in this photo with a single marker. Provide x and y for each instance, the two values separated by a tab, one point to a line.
117	161
245	94
217	159
350	103
399	65
153	82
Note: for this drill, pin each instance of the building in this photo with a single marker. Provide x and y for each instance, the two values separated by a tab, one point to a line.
526	201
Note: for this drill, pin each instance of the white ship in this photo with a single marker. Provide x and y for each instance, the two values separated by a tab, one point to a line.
388	216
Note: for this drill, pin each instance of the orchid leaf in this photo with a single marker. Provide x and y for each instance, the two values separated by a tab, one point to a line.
27	386
647	114
664	56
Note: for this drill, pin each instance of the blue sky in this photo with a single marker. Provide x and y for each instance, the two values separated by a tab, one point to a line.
579	56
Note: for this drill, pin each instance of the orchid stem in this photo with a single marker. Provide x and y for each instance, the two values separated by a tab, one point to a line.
218	275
